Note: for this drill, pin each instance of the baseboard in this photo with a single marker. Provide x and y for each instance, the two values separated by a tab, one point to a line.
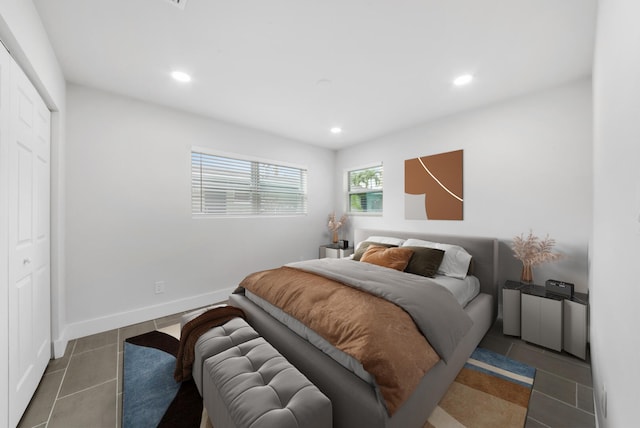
59	346
123	319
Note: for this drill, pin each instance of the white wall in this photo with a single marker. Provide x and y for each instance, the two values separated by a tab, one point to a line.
615	289
129	222
23	33
527	165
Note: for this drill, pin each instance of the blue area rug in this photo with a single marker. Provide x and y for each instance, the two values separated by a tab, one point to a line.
498	365
151	397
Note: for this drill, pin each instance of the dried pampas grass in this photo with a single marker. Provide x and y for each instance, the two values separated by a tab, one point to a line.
532	251
334	225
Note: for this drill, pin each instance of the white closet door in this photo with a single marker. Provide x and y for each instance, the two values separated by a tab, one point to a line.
29	243
5	103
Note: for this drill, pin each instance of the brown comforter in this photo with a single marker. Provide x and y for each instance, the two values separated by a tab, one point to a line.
192	331
376	332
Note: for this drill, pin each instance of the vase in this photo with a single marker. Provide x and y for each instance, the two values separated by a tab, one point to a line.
527	274
334	239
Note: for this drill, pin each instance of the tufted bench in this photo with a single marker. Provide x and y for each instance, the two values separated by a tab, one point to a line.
251	385
216	340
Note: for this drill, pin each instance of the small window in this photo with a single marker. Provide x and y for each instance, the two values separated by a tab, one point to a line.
235	187
365	190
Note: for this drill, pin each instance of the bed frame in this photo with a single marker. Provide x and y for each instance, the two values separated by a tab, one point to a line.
353	400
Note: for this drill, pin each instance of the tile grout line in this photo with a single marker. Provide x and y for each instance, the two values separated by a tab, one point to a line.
509	350
537	421
95	349
64	375
557	359
87	388
565	378
118	340
565	403
566	357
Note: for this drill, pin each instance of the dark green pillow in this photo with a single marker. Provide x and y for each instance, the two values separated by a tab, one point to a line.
363	247
425	261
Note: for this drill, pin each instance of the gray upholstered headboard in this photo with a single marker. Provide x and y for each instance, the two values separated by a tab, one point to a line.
483	250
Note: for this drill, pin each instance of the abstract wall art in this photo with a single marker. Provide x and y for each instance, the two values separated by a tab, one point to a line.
433	187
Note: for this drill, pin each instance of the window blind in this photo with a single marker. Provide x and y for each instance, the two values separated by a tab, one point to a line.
225	186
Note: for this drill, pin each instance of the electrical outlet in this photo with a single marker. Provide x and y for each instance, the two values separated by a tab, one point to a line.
159	287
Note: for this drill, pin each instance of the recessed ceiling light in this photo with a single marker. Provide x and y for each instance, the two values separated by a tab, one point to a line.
180	4
181	76
336	130
462	80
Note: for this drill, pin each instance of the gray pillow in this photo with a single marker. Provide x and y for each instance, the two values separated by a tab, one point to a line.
425	261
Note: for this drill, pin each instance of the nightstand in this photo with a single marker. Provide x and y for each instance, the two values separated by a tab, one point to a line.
546	319
541	317
511	308
334	251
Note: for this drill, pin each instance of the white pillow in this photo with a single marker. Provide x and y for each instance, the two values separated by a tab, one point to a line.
386	240
455	262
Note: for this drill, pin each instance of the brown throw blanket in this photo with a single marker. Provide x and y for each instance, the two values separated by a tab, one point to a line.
376	332
192	331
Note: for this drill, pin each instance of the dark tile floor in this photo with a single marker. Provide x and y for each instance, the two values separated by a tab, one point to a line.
83	389
562	394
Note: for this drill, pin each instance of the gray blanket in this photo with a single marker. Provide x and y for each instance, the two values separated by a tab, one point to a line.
433	308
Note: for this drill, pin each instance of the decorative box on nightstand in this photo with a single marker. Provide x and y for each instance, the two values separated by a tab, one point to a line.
334	251
547	319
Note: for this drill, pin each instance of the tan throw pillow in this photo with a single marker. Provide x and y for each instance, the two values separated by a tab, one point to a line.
394	258
365	245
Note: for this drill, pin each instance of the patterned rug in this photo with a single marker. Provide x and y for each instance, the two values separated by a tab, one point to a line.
151	397
490	391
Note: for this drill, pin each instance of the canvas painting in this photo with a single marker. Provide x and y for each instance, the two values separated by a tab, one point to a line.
433	187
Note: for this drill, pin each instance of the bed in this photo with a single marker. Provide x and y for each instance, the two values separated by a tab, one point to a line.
355	402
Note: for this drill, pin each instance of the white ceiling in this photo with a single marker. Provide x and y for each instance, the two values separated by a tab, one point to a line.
296	68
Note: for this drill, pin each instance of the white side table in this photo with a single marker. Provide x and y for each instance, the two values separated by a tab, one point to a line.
334	251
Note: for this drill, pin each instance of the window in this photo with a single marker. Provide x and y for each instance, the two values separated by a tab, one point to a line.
365	190
230	186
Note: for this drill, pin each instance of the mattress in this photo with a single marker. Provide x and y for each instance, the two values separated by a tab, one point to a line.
464	290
